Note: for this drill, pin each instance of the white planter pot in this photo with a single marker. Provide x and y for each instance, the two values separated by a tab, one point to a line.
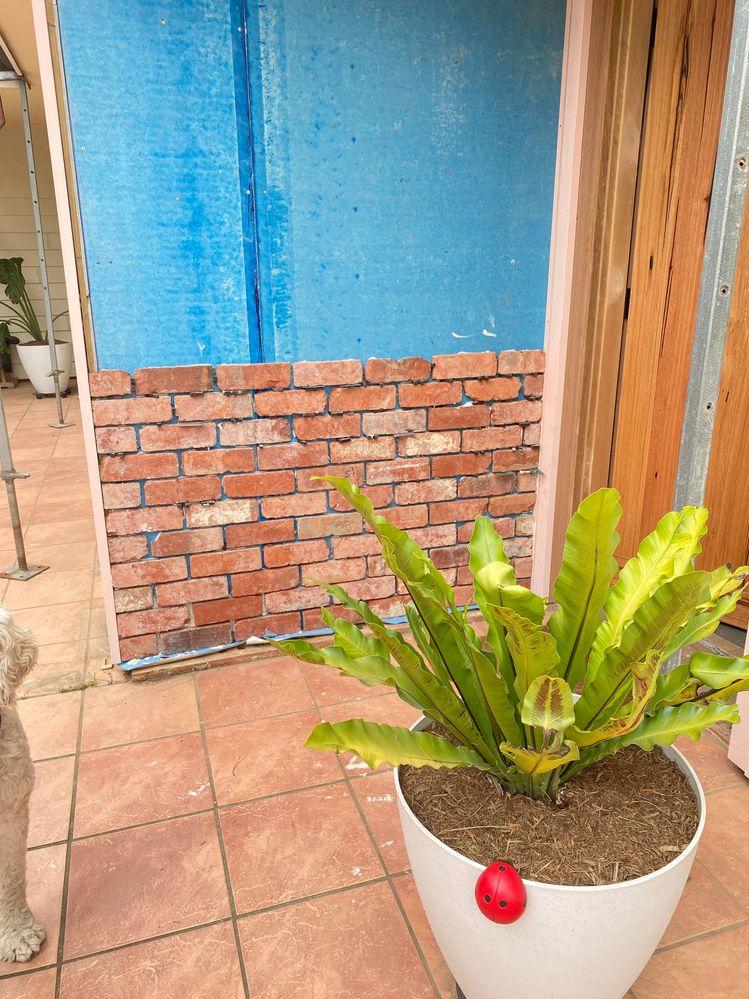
37	364
571	942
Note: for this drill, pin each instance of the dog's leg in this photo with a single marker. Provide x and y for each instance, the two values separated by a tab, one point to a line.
20	935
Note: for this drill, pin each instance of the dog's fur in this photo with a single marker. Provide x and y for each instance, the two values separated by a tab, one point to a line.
20	935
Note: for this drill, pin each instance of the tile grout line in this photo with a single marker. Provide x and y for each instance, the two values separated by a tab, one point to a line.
222	845
378	852
69	849
707	935
714	877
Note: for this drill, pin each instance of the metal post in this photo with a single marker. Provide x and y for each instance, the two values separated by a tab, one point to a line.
55	372
21	570
719	265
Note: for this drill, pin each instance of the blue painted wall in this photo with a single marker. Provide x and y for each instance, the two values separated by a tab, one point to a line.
404	162
157	92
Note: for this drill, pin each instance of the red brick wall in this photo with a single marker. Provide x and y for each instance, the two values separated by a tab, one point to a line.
213	514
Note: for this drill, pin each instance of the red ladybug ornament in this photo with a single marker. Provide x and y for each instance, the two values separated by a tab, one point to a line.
500	893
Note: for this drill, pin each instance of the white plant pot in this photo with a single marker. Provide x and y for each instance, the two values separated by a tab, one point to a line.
37	364
571	943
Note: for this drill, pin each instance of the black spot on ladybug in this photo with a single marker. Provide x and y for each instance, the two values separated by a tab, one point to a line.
487	898
502	904
502	867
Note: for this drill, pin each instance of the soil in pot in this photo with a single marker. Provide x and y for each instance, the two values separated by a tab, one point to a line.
621	818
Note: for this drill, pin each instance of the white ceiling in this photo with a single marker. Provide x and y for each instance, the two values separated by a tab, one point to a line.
17	30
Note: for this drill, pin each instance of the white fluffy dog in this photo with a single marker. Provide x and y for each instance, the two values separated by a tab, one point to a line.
20	936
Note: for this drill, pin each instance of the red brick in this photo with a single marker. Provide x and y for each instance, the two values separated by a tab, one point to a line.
501	506
120	495
116	412
115	440
519	547
482	365
426	492
329	525
407	517
234	511
327	373
454	512
407	470
308	479
464	576
523	568
355	546
518	362
409	369
463	595
524	457
138	648
437	536
524	524
212	406
265	581
269	624
259	484
176	436
296	553
293	506
492	438
347	400
262	533
191	590
445	558
527	481
431	394
458	417
286	600
235	377
290	402
532	434
533	386
223	563
377	566
218	460
505	527
523	411
167	491
486	485
254	432
493	388
461	464
208	539
141	519
127	549
388	607
293	455
155	570
379	495
192	639
215	611
335	571
362	449
372	589
309	428
400	421
431	443
161	381
103	383
135	599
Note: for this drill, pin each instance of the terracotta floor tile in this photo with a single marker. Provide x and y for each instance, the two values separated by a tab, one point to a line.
267	756
197	964
153	780
329	687
388	709
66	622
351	945
53	678
39	985
49	812
251	691
294	845
135	712
97	627
51	723
60	532
409	896
704	906
45	872
139	883
723	849
50	588
714	967
708	757
376	796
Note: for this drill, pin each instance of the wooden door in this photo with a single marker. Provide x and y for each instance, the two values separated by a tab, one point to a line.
682	118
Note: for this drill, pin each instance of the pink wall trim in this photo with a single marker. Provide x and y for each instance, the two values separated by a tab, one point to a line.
563	226
738	748
54	132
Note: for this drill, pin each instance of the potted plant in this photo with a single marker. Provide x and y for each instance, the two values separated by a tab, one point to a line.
546	730
34	353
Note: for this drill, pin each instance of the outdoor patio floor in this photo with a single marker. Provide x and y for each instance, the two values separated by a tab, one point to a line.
185	844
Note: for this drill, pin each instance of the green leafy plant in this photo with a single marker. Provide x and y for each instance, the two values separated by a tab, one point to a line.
23	315
504	691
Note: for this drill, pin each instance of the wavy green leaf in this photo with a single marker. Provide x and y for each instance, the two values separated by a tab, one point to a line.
673	688
548	704
351	639
720	673
535	762
644	676
533	650
486	546
694	525
702	625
